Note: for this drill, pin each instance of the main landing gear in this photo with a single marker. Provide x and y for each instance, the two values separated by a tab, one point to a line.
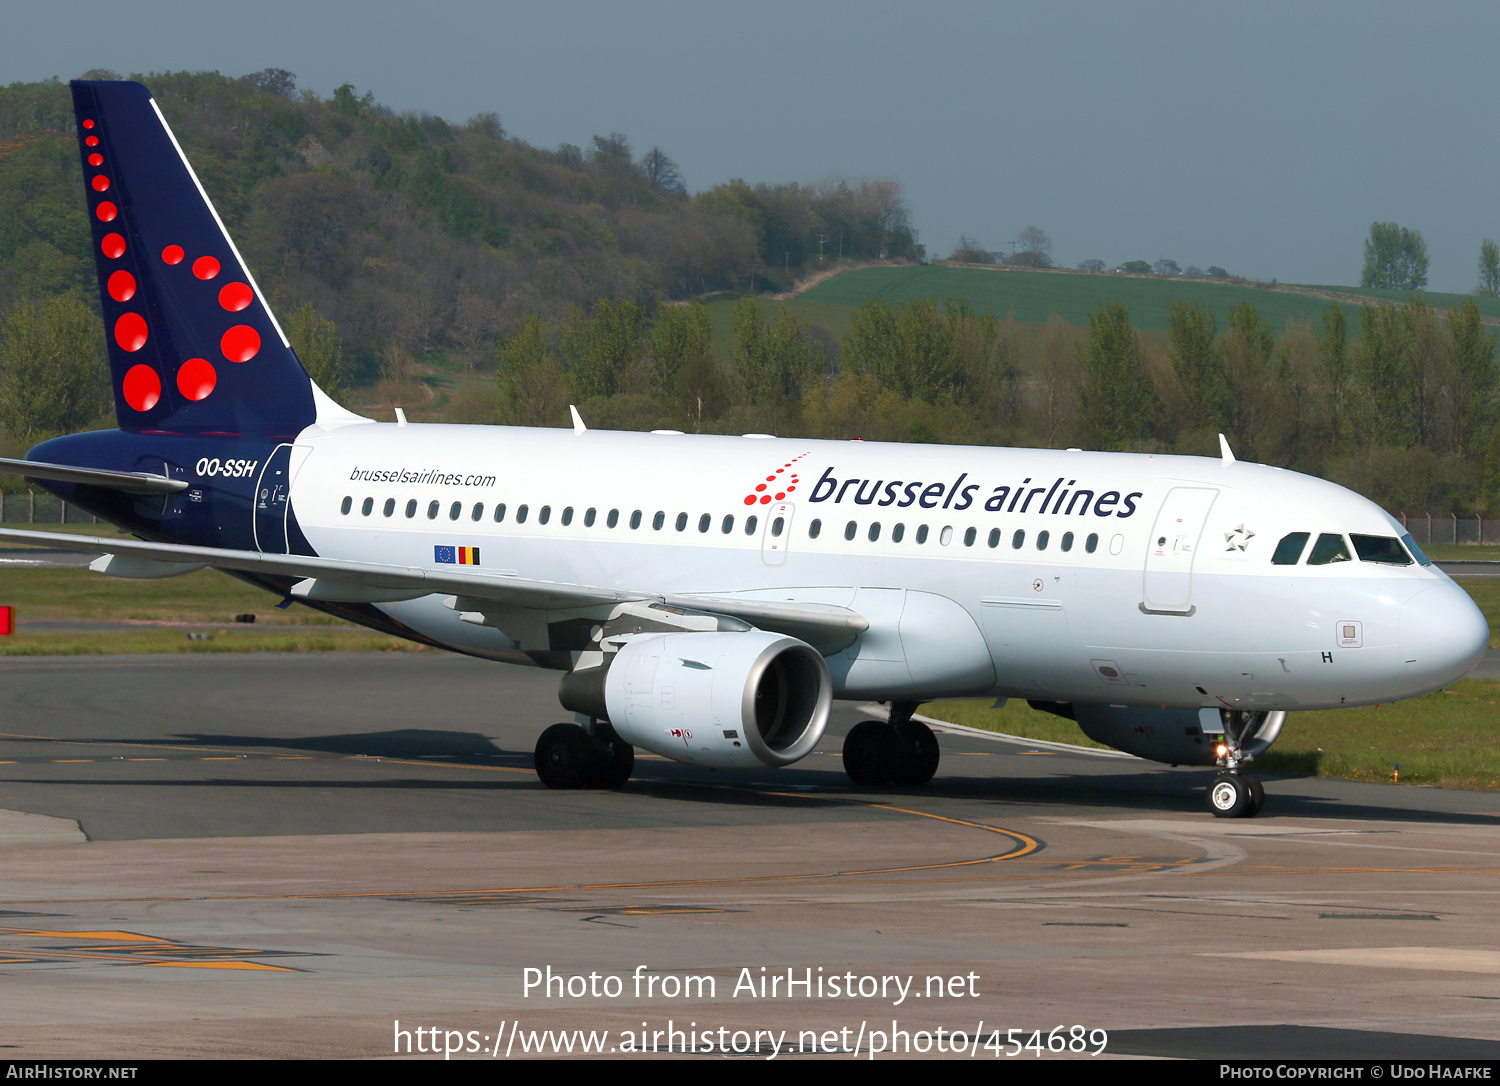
571	756
895	751
1235	794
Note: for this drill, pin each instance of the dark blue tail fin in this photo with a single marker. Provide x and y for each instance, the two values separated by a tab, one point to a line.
193	347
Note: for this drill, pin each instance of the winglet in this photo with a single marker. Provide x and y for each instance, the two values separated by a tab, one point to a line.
578	426
1224	450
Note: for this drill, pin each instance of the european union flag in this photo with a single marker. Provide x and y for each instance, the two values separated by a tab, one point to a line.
445	556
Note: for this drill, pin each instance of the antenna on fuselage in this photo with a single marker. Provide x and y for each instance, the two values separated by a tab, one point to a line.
578	426
1225	450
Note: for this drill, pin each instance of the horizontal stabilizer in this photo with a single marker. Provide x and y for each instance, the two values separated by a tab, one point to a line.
131	482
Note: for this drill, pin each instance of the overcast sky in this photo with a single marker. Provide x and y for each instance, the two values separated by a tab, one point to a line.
1264	138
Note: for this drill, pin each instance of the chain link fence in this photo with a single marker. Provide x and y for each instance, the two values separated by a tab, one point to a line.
31	507
1428	528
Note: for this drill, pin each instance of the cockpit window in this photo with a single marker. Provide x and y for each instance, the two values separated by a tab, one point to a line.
1416	551
1329	549
1380	548
1290	549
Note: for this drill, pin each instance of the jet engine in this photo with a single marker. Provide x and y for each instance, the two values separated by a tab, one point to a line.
726	700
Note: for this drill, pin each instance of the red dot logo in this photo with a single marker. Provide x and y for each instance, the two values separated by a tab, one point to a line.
106	211
760	486
88	124
122	286
780	497
173	254
91	141
240	343
100	183
205	267
113	246
142	388
130	331
235	296
749	499
96	159
197	378
765	499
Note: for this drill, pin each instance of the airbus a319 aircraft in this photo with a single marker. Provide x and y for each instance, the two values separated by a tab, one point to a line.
706	598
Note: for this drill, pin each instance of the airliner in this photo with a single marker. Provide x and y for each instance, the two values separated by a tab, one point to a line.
705	598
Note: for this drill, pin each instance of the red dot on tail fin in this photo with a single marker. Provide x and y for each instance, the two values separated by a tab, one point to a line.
96	159
205	267
88	124
240	343
173	254
113	246
106	211
100	183
91	141
130	331
142	387
197	378
235	296
122	286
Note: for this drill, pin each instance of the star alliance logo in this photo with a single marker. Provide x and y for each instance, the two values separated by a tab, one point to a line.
1239	539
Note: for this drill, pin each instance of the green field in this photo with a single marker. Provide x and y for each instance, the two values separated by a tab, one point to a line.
1488	306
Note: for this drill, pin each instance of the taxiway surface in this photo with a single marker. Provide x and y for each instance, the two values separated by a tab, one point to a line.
263	854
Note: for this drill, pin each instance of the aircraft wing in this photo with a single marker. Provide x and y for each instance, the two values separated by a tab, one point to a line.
823	625
131	482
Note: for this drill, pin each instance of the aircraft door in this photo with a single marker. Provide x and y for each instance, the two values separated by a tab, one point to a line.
271	492
1173	545
777	533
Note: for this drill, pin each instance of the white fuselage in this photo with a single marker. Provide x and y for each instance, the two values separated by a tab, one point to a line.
1059	576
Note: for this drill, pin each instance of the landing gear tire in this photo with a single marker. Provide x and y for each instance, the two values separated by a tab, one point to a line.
566	757
1257	796
1229	796
616	761
867	752
919	753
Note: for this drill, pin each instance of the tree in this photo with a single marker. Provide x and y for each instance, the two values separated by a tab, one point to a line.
52	371
1034	240
277	81
1216	272
1165	266
1117	397
679	335
1470	381
1192	334
1135	267
970	251
531	378
1333	358
662	174
316	341
1395	258
1489	267
1093	264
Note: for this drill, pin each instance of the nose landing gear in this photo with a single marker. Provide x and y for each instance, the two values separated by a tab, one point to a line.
1234	794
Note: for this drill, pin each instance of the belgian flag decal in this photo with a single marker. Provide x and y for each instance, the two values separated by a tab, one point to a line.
456	556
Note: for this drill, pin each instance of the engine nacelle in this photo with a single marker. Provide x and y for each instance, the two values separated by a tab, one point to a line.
1174	736
724	700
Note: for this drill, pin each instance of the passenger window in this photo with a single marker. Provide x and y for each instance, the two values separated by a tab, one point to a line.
613	518
432	510
588	517
777	526
545	515
411	509
346	505
970	535
1289	550
728	525
1041	540
367	506
1091	544
874	533
390	507
994	539
658	520
814	529
1328	549
750	523
567	517
922	534
705	522
1067	541
850	529
1380	548
499	512
454	510
946	536
478	513
635	519
521	511
898	533
681	521
1018	540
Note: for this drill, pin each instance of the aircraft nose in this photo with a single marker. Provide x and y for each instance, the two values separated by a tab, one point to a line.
1443	632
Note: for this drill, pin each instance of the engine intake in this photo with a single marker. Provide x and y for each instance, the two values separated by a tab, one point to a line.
723	700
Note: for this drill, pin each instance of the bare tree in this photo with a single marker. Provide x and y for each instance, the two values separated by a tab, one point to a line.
662	174
1034	240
